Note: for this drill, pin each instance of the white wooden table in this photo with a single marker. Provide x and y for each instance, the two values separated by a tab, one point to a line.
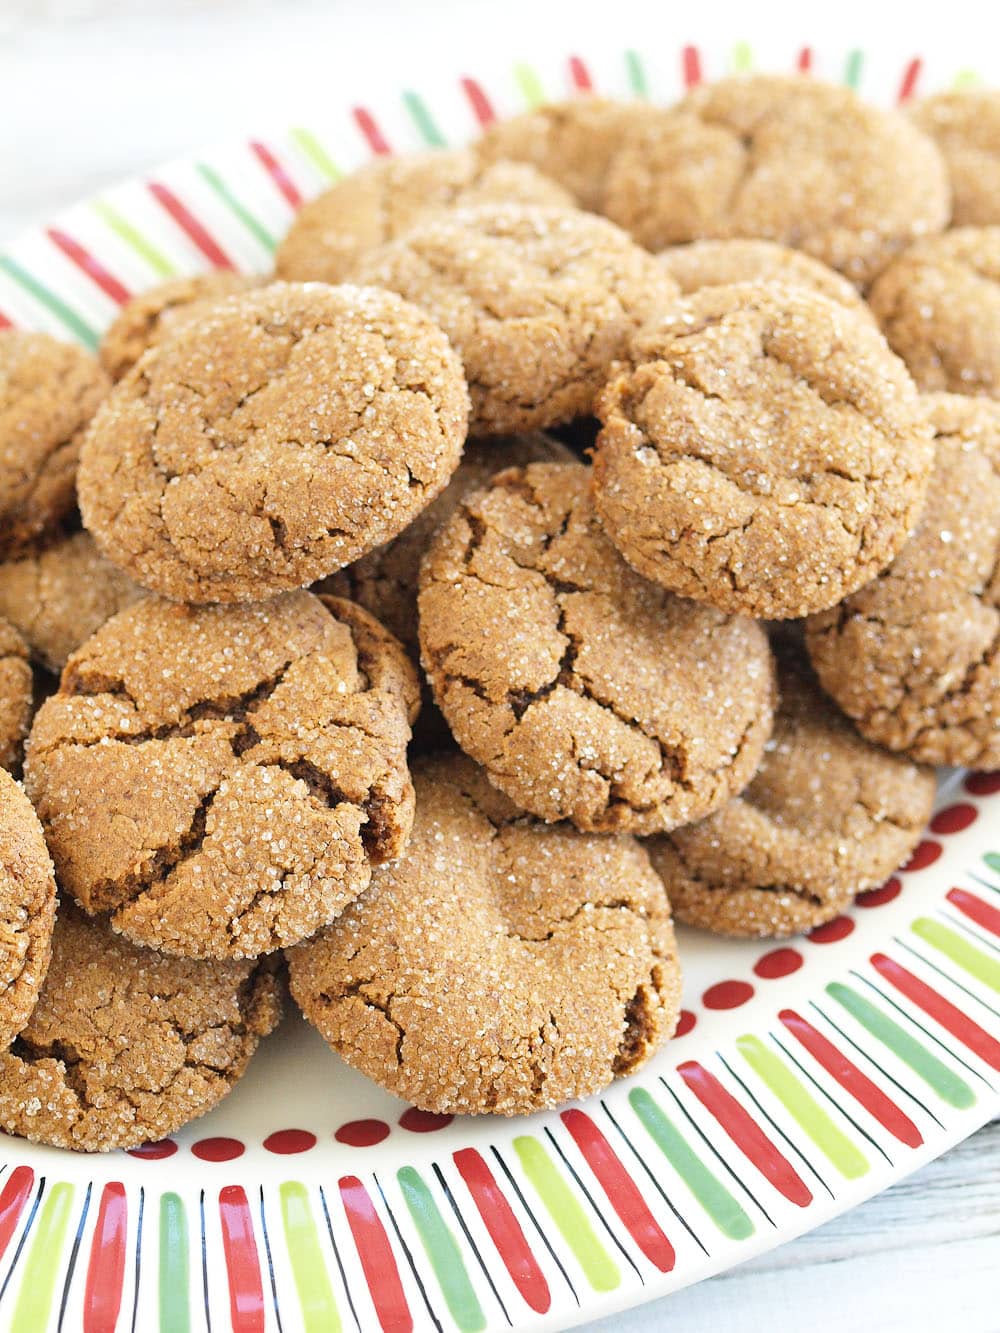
93	90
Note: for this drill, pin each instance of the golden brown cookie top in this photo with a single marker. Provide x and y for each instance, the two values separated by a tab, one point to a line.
914	657
826	816
57	594
500	965
537	302
49	390
386	196
572	142
722	263
788	159
587	693
282	436
965	125
767	453
221	779
160	310
27	908
939	307
16	689
125	1046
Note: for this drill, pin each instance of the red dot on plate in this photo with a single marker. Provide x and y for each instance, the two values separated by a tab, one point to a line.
832	931
685	1022
983	784
954	818
154	1152
925	854
885	893
218	1149
727	995
287	1141
778	963
362	1133
423	1122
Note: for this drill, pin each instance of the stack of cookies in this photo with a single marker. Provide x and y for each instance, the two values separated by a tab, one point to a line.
595	523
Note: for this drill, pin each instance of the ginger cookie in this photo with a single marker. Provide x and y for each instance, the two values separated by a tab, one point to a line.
766	453
384	198
965	126
16	693
282	436
586	692
27	908
125	1046
826	816
791	160
49	390
500	965
160	310
914	657
939	307
722	263
222	779
572	142
58	594
537	302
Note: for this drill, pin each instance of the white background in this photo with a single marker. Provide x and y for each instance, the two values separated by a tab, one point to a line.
93	90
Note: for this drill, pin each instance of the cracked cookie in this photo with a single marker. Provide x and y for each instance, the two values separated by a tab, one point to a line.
965	126
222	779
939	307
125	1046
384	198
161	310
826	816
766	452
500	965
537	302
16	694
586	692
791	160
58	594
279	438
49	390
914	657
27	908
572	142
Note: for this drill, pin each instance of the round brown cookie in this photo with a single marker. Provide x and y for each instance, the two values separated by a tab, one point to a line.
722	263
125	1046
914	657
16	694
500	965
587	693
939	307
826	816
221	779
282	436
58	594
160	310
49	390
767	453
965	126
571	142
385	198
27	908
788	159
537	301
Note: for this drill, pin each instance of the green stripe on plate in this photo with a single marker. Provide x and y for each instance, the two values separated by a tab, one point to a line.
956	947
134	238
853	68
173	1286
803	1107
742	58
44	1265
636	72
443	1252
253	225
713	1196
424	121
966	78
77	326
316	153
567	1212
312	1282
530	85
948	1086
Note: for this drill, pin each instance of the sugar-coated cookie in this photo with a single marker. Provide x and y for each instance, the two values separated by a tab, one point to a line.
965	125
27	908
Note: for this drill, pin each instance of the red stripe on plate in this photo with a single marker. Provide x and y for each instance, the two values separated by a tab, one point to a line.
277	173
246	1295
13	1197
190	226
102	1295
941	1010
366	123
5	321
504	1228
691	66
376	1256
482	107
972	906
804	63
580	75
86	262
908	84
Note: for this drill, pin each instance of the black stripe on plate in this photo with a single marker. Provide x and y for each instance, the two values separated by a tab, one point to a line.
336	1255
409	1256
74	1252
468	1236
534	1220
